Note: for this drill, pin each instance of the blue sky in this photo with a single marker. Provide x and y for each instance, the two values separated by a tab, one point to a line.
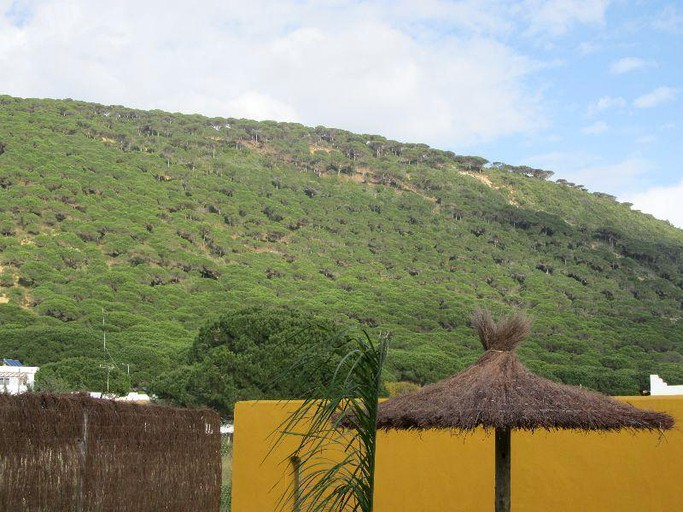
591	89
611	92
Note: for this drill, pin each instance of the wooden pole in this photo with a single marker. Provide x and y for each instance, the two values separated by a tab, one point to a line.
503	470
82	459
296	493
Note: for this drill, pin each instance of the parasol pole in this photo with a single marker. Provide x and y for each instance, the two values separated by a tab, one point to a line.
503	469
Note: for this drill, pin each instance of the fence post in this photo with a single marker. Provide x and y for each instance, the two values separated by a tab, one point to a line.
82	454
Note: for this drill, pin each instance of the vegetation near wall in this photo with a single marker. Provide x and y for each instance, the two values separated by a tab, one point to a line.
162	223
73	453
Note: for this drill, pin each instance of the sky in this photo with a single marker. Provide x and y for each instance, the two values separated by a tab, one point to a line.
590	89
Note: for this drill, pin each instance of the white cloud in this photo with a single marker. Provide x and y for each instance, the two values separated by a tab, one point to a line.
613	178
628	64
562	162
656	97
589	47
669	19
591	171
605	103
384	67
646	139
253	105
596	128
662	202
558	16
478	16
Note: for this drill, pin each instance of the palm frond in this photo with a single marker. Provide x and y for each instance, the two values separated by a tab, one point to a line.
337	465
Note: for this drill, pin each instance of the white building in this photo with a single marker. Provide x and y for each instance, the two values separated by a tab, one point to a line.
132	397
659	387
227	431
135	397
16	378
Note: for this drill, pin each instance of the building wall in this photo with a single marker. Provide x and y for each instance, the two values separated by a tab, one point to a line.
440	471
658	386
17	379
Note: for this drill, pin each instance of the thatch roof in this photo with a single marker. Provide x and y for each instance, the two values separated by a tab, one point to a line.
499	392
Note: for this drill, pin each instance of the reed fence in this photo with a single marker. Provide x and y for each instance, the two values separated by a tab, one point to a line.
75	453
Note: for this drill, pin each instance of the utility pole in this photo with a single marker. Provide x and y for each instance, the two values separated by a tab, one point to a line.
104	334
109	368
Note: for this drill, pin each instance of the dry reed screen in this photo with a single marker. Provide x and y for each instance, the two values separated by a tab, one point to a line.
73	453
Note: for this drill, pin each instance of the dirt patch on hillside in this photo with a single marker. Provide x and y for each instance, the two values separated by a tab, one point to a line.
487	181
27	301
315	149
480	177
366	176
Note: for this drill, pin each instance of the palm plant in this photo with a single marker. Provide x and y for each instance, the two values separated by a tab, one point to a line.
335	466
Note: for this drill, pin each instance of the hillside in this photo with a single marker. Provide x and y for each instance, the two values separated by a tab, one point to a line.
158	222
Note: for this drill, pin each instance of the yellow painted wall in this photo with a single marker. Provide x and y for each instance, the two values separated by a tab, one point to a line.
439	471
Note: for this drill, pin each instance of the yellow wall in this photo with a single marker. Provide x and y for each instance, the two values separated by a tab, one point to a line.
439	471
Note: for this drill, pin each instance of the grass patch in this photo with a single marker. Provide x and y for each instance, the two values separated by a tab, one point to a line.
226	483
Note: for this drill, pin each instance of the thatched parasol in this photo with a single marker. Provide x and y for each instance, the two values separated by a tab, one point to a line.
498	392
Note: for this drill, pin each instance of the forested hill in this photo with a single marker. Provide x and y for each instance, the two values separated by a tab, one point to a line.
159	222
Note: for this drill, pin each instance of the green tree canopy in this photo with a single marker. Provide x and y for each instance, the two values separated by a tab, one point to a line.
257	353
